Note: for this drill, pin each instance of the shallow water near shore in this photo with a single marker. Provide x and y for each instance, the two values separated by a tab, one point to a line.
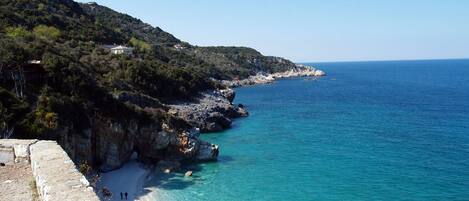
368	131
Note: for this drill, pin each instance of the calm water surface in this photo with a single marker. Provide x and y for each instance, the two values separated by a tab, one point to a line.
367	131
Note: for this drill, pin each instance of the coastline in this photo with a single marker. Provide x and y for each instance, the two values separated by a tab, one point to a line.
132	176
266	78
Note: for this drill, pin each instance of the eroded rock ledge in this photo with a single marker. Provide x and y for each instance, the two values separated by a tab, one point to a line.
212	111
110	143
265	78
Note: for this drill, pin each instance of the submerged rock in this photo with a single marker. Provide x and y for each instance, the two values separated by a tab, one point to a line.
188	174
207	152
168	166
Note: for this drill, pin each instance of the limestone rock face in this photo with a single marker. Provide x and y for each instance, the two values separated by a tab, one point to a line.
211	112
228	94
265	77
216	122
207	151
137	99
114	142
110	143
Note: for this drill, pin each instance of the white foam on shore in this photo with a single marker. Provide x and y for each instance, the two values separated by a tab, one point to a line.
130	178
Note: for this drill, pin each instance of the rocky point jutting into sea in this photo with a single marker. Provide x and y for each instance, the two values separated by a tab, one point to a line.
264	78
210	111
213	111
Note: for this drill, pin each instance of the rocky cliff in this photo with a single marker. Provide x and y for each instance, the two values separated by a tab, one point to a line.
211	111
59	81
110	143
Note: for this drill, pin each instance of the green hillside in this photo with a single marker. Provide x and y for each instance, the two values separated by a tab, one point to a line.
78	78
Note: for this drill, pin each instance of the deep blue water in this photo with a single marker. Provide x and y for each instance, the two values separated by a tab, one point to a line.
368	131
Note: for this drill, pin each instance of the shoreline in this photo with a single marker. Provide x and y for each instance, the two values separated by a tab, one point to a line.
132	176
129	178
266	78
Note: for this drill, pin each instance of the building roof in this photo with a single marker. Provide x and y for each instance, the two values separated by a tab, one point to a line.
120	47
34	62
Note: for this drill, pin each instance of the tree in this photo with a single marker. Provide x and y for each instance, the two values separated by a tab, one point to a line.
12	54
53	63
140	45
13	57
46	32
17	32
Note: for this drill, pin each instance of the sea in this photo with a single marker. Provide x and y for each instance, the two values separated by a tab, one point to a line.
388	130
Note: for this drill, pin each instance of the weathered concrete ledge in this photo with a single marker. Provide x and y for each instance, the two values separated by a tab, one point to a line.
15	151
56	176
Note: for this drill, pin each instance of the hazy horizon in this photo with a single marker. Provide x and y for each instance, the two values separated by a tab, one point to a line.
315	31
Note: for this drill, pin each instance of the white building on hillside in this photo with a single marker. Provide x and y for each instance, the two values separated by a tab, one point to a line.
122	50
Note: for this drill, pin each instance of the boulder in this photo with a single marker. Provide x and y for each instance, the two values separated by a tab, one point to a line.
211	112
216	122
319	73
188	174
242	112
228	94
207	152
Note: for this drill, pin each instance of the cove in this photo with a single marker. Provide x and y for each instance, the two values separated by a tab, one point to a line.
395	130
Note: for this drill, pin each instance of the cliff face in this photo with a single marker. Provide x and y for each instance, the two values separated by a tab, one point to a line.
211	111
109	143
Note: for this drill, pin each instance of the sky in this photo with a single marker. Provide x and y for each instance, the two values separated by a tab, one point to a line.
315	30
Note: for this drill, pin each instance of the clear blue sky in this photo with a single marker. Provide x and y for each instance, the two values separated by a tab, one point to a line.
314	30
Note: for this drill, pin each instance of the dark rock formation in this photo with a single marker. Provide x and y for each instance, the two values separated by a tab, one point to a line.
211	112
228	94
110	143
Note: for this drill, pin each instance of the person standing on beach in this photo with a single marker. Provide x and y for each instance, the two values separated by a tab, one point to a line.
122	196
126	195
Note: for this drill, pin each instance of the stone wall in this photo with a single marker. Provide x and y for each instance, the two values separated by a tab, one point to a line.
56	176
15	151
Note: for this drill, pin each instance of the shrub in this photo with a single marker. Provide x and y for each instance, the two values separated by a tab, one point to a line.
85	168
140	45
51	119
17	32
43	31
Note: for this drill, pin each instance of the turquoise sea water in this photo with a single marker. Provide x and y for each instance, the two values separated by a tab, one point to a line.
368	131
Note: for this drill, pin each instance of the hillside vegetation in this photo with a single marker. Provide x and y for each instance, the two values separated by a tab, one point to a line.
79	79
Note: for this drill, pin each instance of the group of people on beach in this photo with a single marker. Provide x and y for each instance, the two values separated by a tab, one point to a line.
107	194
124	194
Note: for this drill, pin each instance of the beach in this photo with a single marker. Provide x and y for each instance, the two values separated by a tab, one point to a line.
130	178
